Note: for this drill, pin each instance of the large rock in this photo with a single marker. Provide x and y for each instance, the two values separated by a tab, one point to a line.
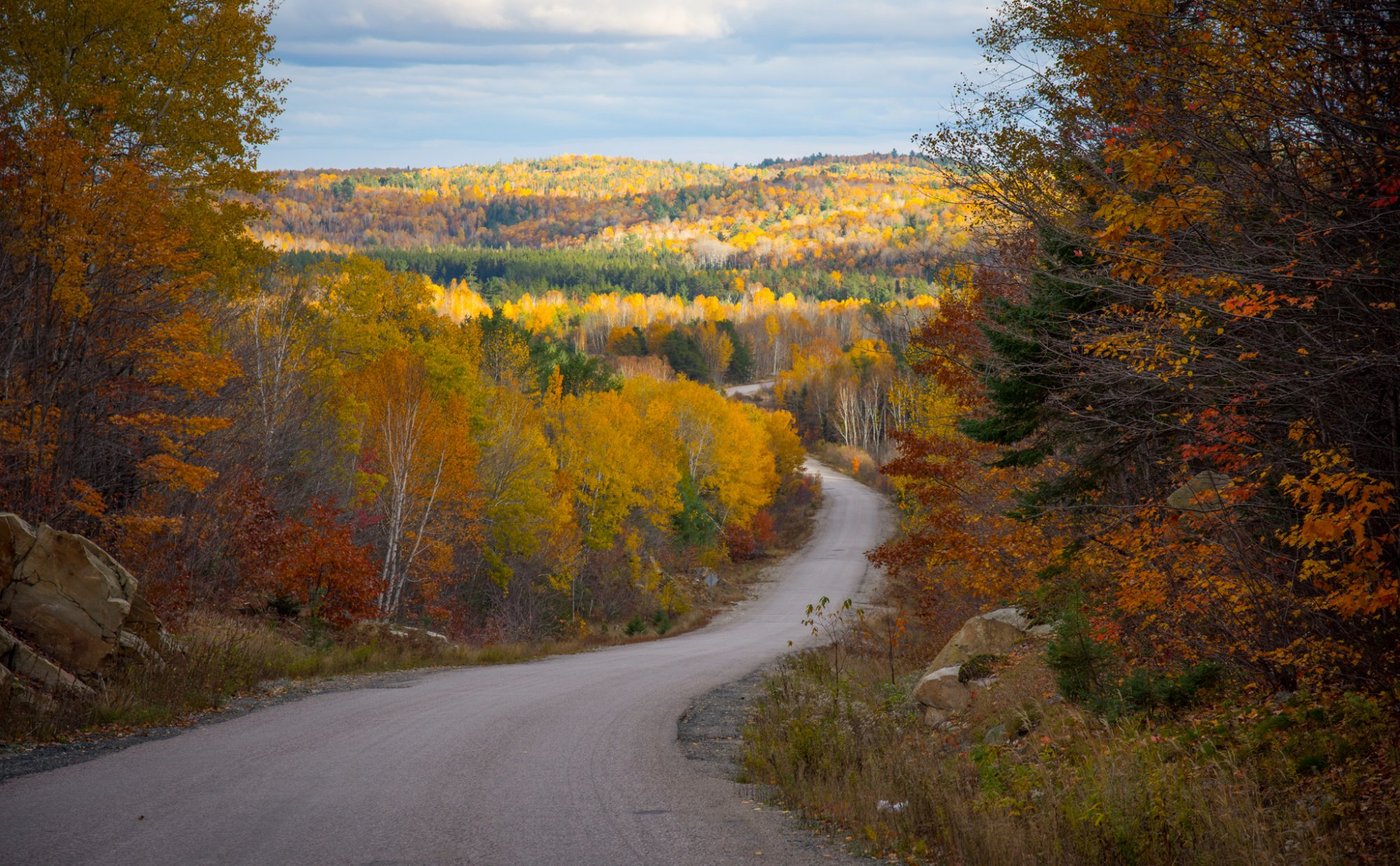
66	595
1204	493
940	694
145	625
992	633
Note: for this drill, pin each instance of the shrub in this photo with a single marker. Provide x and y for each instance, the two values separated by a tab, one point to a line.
1085	671
1146	690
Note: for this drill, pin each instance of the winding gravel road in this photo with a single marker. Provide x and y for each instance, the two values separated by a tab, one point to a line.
570	760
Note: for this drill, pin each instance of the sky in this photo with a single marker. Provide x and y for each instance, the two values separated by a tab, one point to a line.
413	83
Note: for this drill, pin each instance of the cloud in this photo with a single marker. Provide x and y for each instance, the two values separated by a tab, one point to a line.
415	82
492	20
409	31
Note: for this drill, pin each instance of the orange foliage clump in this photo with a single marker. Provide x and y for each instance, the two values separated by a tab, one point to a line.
312	562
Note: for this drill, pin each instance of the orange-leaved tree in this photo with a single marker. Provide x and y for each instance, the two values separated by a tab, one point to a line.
124	124
1203	356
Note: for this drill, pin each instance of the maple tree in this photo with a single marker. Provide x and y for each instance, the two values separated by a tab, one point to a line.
959	538
312	564
616	463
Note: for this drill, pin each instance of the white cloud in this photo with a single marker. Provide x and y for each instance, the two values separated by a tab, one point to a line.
644	18
694	19
400	82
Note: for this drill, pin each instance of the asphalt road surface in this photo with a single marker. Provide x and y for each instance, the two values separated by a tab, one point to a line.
570	760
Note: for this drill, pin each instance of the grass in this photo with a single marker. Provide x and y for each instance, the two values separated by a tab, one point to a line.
1030	778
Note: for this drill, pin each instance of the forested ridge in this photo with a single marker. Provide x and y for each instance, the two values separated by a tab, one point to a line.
877	215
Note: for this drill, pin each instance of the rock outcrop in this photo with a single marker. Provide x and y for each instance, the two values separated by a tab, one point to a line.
942	693
67	609
988	634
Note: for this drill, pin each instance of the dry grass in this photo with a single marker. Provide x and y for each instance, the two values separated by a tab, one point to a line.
1056	785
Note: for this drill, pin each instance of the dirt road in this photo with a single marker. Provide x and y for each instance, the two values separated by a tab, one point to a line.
748	390
570	760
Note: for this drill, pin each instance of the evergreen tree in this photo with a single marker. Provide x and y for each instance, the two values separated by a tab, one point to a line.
741	363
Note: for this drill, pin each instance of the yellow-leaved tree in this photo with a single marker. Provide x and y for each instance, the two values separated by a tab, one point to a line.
616	464
419	467
722	447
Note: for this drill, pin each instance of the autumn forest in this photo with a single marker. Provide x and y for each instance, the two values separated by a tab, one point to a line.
1119	341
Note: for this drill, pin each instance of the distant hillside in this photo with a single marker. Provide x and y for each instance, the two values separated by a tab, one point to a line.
872	214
